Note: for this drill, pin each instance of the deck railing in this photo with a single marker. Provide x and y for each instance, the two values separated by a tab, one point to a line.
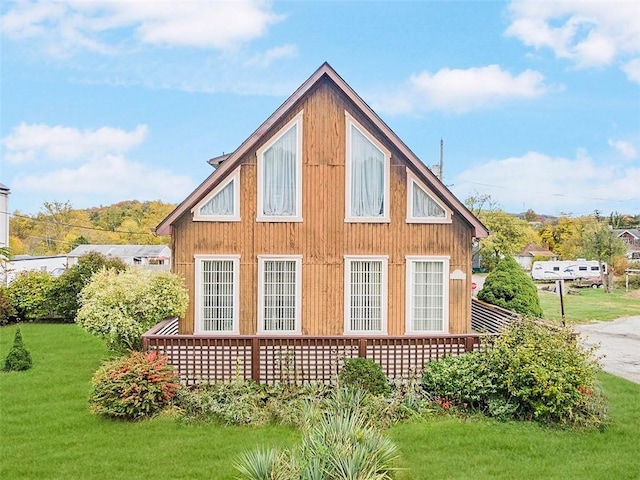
299	359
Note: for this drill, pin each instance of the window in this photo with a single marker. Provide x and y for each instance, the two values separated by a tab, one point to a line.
427	294
595	269
367	176
217	298
365	295
223	203
422	205
280	175
279	294
582	268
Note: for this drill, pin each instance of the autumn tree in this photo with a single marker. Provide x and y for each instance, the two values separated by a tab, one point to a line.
601	243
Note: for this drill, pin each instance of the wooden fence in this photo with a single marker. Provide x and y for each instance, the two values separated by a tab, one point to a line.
299	359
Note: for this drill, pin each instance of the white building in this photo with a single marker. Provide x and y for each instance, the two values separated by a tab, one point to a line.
149	256
4	216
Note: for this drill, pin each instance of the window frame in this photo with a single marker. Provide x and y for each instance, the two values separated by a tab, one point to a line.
348	259
199	320
298	294
235	217
409	302
296	121
412	183
350	121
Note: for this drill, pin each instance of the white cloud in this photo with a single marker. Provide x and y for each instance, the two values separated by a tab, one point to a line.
70	25
105	180
457	90
588	33
265	59
632	69
40	142
626	149
553	185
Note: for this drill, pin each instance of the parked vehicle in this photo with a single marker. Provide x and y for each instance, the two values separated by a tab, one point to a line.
594	282
567	269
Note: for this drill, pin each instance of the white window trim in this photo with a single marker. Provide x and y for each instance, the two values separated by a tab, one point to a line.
409	294
385	218
234	177
412	181
347	293
198	294
260	217
298	310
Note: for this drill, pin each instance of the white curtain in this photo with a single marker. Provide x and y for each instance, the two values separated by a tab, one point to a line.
424	205
279	295
222	203
428	296
366	295
279	176
217	295
367	177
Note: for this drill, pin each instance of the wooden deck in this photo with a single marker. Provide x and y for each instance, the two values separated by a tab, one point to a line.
295	359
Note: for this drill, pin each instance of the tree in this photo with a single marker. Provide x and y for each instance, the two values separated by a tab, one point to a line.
601	243
19	357
30	293
508	286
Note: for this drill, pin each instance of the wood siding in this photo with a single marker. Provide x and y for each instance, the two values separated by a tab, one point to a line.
323	238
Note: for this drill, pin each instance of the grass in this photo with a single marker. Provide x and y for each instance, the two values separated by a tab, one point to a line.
590	305
47	431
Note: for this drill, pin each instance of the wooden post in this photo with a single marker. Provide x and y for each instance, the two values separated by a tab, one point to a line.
255	359
468	344
362	348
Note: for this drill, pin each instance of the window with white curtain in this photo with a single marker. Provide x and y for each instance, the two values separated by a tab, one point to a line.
365	295
427	294
280	175
217	294
279	294
422	205
223	203
367	176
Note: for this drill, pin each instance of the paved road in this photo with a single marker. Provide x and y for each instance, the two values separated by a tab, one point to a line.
619	343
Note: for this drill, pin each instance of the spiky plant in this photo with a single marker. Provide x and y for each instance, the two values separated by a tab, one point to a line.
19	357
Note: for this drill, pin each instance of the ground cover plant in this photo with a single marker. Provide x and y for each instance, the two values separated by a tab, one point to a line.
591	305
49	432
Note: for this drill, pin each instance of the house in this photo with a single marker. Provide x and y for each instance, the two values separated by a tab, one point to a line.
147	256
53	264
322	224
533	252
631	238
4	216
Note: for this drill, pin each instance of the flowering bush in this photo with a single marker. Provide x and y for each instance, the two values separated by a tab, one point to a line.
30	294
121	306
132	387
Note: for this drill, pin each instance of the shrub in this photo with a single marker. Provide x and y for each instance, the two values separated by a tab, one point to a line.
7	310
69	285
508	286
31	294
121	306
531	371
364	374
133	387
19	357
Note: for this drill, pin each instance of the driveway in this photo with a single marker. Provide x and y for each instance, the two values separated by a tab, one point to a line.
619	342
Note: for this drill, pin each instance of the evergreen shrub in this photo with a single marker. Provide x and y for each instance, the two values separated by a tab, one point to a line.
509	286
364	374
31	294
133	387
19	358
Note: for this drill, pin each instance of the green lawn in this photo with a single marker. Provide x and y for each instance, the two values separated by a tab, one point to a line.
589	305
46	432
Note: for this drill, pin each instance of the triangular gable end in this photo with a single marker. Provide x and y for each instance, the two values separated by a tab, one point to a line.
440	191
222	204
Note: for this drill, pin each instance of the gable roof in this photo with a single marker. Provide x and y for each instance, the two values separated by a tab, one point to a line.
632	231
122	250
325	71
533	250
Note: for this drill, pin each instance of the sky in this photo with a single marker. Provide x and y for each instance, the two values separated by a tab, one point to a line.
537	103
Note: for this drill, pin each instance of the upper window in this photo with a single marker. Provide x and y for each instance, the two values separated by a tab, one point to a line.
217	298
280	175
223	203
367	176
422	205
427	294
365	308
279	294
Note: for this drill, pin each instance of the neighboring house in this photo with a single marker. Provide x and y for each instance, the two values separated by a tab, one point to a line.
4	216
148	256
533	252
631	237
53	264
323	223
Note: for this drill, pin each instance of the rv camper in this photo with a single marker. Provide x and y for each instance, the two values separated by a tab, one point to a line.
566	269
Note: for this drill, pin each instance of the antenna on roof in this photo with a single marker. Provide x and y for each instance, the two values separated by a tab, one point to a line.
437	169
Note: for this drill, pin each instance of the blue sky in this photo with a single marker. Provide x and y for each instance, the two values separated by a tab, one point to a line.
538	103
